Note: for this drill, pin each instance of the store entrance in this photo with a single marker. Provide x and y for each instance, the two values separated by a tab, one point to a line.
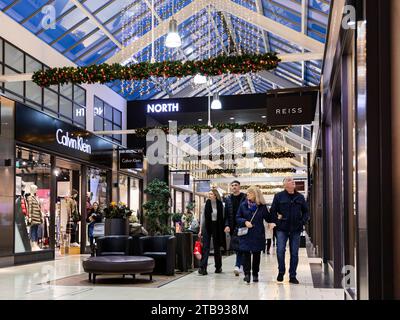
68	231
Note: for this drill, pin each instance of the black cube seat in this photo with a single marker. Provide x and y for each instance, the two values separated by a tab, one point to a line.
163	250
118	265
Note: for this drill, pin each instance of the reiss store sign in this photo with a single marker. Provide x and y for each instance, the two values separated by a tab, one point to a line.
162	107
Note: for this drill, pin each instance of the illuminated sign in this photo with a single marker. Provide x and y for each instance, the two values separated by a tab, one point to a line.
98	111
162	107
73	143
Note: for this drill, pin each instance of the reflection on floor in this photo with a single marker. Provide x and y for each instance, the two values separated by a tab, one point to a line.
33	282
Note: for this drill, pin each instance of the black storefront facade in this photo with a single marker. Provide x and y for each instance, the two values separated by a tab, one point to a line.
295	106
53	157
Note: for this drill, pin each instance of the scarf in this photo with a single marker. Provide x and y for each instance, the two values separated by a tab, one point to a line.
252	206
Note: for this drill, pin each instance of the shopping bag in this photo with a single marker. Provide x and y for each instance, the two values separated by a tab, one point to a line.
197	250
98	229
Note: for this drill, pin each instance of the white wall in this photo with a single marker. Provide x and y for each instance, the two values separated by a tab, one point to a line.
28	42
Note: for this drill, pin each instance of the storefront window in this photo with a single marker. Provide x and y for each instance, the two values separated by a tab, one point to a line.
134	195
97	187
123	189
32	212
178	201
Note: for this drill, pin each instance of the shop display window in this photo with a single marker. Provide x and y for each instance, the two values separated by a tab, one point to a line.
123	189
32	212
134	194
97	187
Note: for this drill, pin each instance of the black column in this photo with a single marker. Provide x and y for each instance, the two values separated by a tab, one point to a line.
83	193
379	146
53	201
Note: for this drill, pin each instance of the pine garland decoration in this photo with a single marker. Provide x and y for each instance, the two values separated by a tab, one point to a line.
105	73
264	170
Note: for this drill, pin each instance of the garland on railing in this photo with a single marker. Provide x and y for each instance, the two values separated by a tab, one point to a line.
256	126
263	187
105	73
266	155
264	170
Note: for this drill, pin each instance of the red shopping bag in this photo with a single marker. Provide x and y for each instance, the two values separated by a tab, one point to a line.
197	250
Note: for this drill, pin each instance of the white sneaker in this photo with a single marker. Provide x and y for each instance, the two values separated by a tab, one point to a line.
241	269
236	271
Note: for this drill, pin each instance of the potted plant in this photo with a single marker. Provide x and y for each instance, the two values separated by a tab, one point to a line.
117	219
177	220
188	216
157	208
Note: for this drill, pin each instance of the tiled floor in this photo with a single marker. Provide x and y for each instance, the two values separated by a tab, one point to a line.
26	282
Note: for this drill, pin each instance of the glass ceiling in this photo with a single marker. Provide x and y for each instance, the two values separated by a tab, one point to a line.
96	32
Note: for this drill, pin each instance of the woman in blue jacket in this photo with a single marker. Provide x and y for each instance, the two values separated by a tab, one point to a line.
251	214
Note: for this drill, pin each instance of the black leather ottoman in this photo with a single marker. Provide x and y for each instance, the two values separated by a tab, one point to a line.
118	265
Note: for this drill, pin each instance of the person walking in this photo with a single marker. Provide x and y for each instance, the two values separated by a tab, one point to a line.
94	216
232	203
212	226
269	234
251	214
290	213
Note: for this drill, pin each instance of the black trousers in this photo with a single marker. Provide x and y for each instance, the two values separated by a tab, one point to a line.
206	248
269	242
247	265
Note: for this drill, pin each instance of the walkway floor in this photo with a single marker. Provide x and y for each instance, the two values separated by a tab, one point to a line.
30	282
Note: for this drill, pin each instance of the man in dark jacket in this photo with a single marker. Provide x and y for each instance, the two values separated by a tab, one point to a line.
232	204
290	213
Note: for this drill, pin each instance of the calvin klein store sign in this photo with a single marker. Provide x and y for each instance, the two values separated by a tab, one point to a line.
130	161
74	143
38	129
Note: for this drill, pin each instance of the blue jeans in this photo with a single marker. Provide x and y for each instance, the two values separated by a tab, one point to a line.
238	259
34	232
294	244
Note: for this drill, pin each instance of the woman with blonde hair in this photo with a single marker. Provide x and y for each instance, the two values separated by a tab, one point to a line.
212	224
251	215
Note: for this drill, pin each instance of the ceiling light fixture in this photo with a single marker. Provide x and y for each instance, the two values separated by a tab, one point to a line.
216	103
173	39
263	117
199	79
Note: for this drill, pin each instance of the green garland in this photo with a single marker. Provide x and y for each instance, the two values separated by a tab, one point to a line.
263	187
256	126
264	170
266	155
105	73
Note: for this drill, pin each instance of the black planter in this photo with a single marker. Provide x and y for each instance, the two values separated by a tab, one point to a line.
184	250
116	227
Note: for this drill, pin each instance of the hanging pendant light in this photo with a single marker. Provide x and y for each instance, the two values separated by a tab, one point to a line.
173	39
216	103
199	79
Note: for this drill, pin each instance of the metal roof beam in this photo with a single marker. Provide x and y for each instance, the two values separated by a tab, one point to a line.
238	50
260	10
271	26
97	22
279	81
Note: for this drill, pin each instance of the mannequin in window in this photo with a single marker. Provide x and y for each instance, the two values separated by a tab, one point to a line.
21	218
73	216
35	216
